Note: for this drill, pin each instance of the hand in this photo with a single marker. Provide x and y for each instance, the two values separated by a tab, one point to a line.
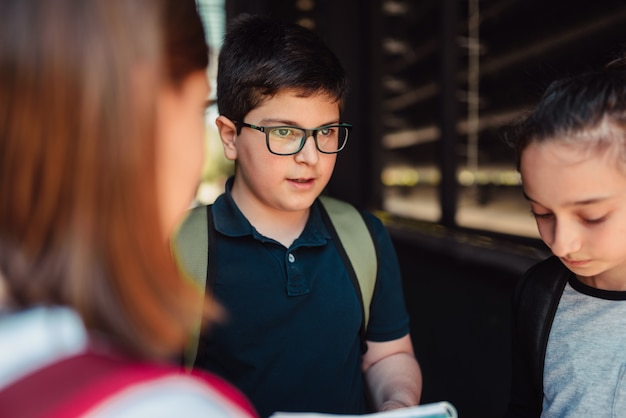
391	404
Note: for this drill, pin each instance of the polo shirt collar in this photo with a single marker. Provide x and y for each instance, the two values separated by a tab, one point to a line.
231	222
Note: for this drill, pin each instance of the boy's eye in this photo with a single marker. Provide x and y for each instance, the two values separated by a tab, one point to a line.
284	133
325	131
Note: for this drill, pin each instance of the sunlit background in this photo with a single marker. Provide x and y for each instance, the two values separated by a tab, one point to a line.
489	189
216	167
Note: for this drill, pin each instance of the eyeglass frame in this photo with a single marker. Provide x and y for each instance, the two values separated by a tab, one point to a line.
307	133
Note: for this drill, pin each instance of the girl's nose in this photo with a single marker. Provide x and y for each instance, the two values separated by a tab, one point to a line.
565	239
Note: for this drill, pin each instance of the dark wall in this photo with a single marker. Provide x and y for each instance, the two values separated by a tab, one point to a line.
460	308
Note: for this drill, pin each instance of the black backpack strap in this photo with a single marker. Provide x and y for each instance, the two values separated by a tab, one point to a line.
536	300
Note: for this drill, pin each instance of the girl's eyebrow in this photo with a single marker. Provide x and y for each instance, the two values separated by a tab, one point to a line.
575	203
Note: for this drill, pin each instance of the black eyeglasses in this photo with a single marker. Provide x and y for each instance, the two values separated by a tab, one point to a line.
289	140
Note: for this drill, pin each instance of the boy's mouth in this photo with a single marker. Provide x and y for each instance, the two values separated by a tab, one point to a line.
303	181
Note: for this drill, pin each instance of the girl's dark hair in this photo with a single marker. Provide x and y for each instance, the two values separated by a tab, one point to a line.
261	56
589	108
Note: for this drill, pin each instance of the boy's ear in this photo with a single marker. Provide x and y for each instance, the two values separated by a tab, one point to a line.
228	135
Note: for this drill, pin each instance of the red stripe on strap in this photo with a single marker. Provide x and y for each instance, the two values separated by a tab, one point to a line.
73	386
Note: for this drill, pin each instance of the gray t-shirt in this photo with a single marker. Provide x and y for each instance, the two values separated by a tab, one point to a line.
585	364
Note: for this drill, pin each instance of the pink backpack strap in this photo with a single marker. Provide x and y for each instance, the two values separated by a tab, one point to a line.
73	386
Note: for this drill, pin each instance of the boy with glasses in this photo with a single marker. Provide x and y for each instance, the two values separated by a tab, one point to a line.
291	338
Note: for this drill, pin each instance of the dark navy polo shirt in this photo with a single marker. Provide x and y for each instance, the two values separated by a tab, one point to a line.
291	338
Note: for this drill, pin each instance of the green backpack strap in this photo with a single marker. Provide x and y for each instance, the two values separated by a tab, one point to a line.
190	247
358	244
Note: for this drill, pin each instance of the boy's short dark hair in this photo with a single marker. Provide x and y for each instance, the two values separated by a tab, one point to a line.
261	57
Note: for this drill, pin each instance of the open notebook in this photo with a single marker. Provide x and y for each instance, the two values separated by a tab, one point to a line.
431	410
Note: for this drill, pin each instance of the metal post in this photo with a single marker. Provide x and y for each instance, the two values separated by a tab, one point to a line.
448	111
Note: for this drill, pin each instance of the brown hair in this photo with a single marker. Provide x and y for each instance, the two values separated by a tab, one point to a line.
79	221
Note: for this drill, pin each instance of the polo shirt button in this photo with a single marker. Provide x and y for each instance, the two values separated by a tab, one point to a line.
291	258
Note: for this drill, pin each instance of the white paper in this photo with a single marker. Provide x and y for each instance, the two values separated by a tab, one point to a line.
431	410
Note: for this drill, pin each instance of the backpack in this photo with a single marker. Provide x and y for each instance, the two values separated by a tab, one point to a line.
79	384
349	230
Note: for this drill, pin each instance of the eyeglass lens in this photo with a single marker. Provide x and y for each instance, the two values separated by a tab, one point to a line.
289	140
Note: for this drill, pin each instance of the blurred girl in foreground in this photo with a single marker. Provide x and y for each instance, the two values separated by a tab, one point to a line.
101	146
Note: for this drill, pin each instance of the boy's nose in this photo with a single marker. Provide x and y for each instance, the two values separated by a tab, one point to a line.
309	152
